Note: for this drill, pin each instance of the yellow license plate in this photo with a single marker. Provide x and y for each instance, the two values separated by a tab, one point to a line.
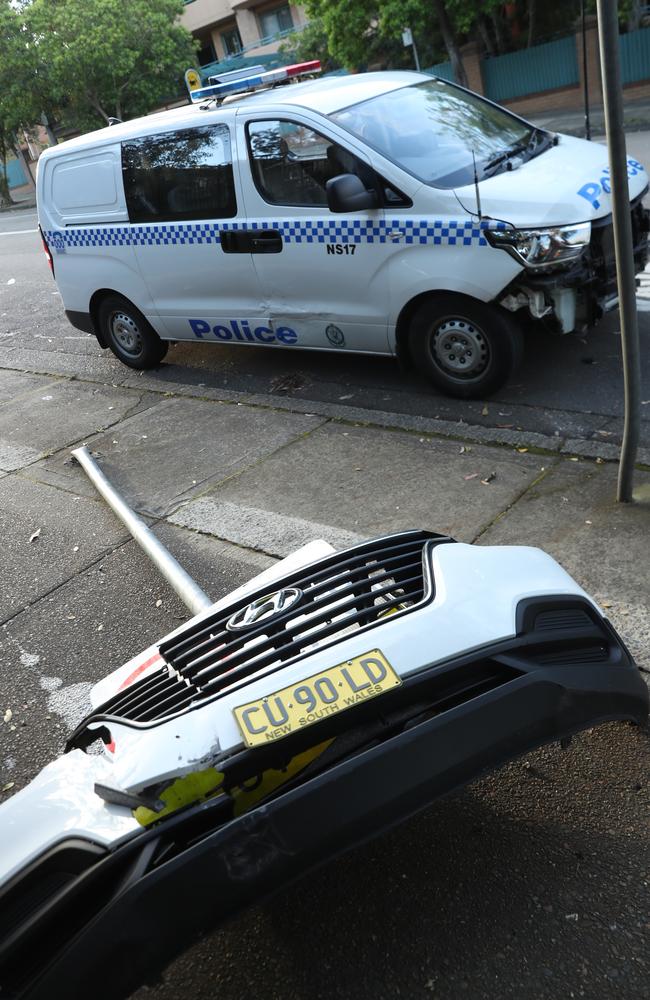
316	698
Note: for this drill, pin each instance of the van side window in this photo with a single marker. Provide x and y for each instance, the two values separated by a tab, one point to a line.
179	175
291	163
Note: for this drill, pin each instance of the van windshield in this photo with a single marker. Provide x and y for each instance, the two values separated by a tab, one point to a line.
435	130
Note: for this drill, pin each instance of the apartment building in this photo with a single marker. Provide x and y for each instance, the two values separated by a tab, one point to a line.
226	28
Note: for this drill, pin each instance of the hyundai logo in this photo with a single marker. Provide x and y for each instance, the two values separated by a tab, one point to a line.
265	609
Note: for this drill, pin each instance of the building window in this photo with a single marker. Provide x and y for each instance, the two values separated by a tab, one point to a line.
231	42
276	20
180	175
206	53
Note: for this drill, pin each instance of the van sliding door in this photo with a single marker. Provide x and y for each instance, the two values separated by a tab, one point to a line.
183	206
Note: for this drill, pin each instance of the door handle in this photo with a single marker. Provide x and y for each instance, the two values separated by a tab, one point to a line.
266	241
251	240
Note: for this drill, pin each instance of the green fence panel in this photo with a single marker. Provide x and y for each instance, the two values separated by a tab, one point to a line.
635	56
529	71
443	70
15	174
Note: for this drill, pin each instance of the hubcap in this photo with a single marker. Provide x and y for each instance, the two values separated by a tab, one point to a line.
125	333
460	348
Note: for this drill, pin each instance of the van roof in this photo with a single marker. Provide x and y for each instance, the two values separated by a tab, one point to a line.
324	95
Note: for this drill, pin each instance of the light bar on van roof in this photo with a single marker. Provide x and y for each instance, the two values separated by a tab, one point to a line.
255	81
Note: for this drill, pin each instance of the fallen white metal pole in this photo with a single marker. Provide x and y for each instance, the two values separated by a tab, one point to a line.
622	226
186	588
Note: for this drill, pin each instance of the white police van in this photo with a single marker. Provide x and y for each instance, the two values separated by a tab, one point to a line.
384	213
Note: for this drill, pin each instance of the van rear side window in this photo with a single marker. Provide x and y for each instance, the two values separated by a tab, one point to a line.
179	175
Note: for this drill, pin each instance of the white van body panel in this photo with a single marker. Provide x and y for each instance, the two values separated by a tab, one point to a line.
84	188
566	184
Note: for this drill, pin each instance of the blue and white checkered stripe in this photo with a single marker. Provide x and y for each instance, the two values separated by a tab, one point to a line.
435	232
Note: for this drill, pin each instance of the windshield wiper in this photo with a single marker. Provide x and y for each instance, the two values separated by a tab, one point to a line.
502	157
531	146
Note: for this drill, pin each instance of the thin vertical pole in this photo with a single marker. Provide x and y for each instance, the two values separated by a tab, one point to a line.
622	225
416	57
585	76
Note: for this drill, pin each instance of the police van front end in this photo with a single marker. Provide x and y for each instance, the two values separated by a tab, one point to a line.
568	268
569	279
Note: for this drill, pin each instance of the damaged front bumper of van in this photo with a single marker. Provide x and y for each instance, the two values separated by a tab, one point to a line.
162	863
577	294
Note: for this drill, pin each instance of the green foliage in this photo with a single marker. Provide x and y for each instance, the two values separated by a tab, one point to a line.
309	43
366	33
464	13
17	104
110	58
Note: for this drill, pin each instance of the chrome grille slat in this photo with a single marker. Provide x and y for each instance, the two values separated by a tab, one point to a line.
300	639
309	622
304	579
169	686
342	593
130	697
258	663
238	642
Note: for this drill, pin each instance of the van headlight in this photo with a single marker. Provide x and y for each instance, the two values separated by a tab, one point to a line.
542	247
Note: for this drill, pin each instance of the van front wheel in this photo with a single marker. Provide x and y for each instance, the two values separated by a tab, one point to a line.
467	348
128	334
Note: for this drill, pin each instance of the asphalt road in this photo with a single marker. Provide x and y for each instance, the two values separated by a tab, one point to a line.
531	884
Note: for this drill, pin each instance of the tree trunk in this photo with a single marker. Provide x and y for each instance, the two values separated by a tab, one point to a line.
5	195
20	155
484	31
498	32
634	19
450	43
51	138
532	13
94	103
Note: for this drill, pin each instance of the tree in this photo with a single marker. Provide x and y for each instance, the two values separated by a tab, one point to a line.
18	100
451	45
358	32
369	32
309	43
110	58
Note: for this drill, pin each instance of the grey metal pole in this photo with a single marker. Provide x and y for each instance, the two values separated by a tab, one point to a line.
613	105
585	76
186	588
416	57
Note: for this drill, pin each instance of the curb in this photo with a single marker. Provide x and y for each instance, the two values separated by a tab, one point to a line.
18	206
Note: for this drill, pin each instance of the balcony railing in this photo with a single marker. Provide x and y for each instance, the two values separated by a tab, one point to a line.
269	59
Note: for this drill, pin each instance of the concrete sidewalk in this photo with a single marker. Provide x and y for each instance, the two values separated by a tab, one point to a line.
266	478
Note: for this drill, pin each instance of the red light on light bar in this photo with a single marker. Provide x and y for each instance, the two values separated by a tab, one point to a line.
306	67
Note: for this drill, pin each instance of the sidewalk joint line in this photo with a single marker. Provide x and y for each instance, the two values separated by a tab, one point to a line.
522	493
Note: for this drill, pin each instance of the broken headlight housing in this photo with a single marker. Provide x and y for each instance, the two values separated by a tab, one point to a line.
542	247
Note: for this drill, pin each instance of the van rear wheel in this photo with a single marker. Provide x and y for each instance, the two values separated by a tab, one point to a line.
128	334
467	348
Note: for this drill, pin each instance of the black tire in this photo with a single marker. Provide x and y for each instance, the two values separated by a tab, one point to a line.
128	334
467	348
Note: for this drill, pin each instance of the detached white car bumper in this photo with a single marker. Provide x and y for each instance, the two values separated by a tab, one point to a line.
243	748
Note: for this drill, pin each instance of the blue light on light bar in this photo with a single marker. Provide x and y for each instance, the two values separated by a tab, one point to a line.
236	74
256	80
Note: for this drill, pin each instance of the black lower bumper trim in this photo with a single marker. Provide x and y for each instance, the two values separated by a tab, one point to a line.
81	321
207	876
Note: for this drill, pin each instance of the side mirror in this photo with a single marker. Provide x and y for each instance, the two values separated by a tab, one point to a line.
347	193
